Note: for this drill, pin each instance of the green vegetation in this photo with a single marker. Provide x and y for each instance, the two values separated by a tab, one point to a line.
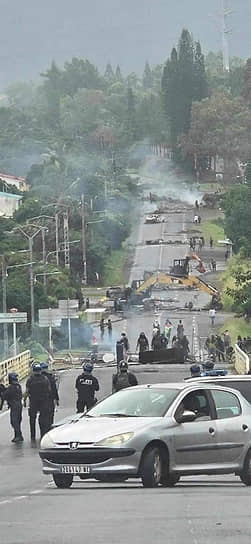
114	267
236	281
213	228
236	326
78	133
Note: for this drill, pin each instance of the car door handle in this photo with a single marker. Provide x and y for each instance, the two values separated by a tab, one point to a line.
245	427
211	430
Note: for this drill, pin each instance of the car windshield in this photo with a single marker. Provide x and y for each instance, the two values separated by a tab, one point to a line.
147	402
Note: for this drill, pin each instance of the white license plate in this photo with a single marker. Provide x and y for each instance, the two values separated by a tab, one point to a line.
75	469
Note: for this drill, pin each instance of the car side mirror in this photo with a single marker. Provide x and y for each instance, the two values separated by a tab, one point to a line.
186	417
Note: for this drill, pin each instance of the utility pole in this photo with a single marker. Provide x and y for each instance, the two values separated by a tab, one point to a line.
66	239
83	239
4	287
225	13
30	238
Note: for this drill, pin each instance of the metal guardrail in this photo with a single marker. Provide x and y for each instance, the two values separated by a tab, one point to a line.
19	364
242	362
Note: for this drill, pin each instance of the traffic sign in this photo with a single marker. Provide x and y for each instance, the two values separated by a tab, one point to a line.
49	317
68	308
17	317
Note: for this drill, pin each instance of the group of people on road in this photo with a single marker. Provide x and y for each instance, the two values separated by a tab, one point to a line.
87	385
103	325
218	347
42	393
162	340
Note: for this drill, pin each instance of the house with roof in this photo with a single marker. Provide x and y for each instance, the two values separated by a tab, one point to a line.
20	183
9	204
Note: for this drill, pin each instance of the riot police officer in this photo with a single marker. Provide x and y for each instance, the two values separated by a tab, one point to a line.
38	390
123	378
13	396
86	385
54	398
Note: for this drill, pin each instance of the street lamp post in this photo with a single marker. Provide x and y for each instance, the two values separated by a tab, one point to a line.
30	238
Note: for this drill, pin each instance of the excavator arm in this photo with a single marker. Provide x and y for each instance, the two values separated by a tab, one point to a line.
170	279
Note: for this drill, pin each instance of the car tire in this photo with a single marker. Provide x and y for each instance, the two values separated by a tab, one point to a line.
151	467
245	474
63	481
170	480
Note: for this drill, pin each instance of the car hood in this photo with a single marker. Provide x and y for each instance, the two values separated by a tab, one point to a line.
89	430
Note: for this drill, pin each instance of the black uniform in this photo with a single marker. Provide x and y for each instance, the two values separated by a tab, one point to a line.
2	390
13	396
123	380
53	398
86	385
39	392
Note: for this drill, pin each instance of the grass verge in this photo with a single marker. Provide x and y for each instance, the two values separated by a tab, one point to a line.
114	267
236	326
213	228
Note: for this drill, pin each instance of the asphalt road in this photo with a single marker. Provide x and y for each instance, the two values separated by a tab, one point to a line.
198	510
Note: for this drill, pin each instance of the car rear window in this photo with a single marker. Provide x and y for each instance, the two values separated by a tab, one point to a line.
243	386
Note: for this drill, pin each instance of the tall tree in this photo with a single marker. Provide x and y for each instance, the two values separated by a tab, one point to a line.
147	78
53	89
109	74
247	82
131	116
186	78
200	79
170	96
118	74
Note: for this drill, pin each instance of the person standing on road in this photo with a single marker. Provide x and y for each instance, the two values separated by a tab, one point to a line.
86	385
226	340
54	398
212	315
157	341
102	328
220	349
180	330
211	242
2	390
123	378
38	390
124	340
13	396
142	343
109	328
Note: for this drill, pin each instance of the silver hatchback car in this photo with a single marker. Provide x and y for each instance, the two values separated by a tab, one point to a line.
154	432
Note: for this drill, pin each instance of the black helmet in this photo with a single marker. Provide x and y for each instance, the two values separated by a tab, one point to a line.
13	377
36	368
123	366
208	365
195	370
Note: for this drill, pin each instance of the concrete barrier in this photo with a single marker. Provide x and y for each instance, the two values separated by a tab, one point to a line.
19	364
242	363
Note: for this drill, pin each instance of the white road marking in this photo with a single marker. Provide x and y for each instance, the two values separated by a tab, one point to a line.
5	502
35	492
20	497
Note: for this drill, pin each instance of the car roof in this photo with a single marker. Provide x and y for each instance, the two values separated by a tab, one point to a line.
190	384
228	377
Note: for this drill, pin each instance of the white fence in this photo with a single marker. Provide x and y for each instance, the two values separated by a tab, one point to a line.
19	364
242	363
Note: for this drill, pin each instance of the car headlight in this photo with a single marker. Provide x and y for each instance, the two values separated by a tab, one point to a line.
47	442
116	440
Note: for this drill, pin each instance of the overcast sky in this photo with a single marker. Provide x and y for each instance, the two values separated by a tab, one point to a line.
125	32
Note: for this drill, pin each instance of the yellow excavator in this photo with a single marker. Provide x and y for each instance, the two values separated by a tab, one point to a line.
178	275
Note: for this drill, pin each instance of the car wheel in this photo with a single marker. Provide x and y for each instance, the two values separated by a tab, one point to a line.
245	474
151	468
63	481
169	480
